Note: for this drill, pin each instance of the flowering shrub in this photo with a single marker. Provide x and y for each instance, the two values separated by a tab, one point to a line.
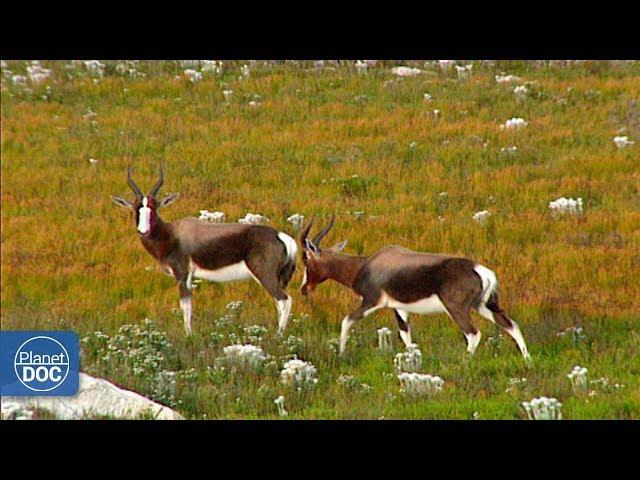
144	352
213	217
193	75
352	383
299	374
420	384
248	356
543	408
409	361
516	384
578	377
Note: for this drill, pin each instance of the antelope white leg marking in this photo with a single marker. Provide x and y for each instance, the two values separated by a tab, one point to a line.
230	273
405	336
515	332
144	216
485	312
185	304
473	340
284	309
344	332
347	322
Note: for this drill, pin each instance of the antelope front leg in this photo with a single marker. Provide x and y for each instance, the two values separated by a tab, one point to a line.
365	309
185	304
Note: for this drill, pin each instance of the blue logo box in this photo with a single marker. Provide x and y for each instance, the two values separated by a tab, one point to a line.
39	363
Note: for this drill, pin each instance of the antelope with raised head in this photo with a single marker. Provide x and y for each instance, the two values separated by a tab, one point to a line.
409	282
190	248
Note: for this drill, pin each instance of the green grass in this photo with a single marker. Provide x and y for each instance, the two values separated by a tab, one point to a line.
71	259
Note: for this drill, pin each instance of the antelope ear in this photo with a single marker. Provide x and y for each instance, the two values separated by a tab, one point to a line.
310	249
168	200
122	202
338	247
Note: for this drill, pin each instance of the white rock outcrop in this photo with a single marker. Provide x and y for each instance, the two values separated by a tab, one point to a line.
96	397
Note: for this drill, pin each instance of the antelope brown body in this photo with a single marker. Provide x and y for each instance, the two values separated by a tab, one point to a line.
190	248
410	282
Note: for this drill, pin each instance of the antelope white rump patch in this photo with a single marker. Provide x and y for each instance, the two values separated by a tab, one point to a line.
230	273
489	281
290	244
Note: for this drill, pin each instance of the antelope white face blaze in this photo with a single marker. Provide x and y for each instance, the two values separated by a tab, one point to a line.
144	216
231	273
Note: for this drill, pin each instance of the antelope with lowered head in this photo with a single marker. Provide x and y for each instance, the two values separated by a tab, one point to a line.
409	282
190	248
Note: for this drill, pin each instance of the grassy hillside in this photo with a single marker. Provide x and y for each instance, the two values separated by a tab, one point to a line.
322	140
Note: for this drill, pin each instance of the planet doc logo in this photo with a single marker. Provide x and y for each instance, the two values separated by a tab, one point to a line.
39	370
39	363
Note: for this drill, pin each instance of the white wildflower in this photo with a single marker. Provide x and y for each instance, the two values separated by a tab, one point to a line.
507	78
95	67
361	66
193	75
520	92
228	95
280	403
464	72
296	220
566	205
514	124
427	97
212	66
406	71
481	216
36	73
253	219
384	339
446	64
18	79
622	142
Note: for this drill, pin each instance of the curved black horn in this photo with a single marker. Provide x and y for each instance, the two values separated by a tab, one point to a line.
305	230
321	234
132	184
159	183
